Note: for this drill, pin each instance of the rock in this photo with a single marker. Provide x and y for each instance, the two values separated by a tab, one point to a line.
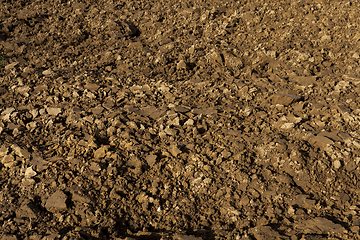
47	72
304	81
337	164
232	61
20	151
53	111
284	99
101	152
8	110
134	162
174	150
185	237
8	237
78	196
23	90
204	111
97	110
264	232
288	126
3	150
29	173
189	122
26	210
8	161
319	225
56	202
95	167
34	113
303	201
170	131
11	65
152	112
51	237
320	141
182	109
39	163
92	86
181	65
331	135
151	159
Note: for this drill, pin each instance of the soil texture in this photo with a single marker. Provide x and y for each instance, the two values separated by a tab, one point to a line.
140	119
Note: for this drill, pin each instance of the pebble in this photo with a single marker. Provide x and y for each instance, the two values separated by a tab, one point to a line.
174	150
181	65
337	164
47	72
53	111
56	202
11	65
101	152
29	173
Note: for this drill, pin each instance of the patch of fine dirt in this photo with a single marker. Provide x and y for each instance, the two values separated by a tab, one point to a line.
179	119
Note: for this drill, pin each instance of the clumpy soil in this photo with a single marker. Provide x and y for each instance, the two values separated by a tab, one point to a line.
170	119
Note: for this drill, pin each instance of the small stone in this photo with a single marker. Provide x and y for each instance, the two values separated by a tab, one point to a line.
284	99
39	163
181	65
189	122
23	90
320	141
3	150
8	237
97	110
47	72
29	173
31	125
319	225
53	111
174	150
181	109
170	131
11	65
101	152
20	152
51	237
287	126
8	110
151	159
8	161
337	164
92	86
291	210
95	167
174	122
89	94
134	162
136	45
56	202
132	124
26	211
79	196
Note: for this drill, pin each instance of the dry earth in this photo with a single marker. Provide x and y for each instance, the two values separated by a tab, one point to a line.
179	119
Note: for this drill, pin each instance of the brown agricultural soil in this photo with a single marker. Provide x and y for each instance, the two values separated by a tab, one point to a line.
191	120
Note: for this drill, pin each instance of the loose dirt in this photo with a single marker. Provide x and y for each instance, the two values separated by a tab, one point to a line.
179	119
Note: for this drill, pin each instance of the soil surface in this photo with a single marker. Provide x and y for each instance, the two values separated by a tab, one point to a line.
187	120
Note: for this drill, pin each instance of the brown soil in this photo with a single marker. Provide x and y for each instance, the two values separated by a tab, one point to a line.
179	119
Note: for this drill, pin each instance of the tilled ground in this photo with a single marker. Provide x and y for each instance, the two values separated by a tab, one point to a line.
179	119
